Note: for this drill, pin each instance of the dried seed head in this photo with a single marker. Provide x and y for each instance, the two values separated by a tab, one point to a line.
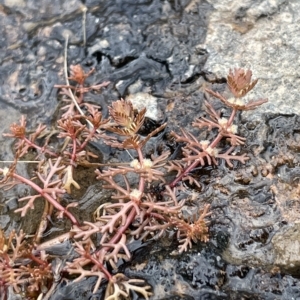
239	82
78	75
18	130
128	120
122	112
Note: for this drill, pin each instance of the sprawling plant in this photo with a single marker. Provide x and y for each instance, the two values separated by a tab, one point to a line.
134	212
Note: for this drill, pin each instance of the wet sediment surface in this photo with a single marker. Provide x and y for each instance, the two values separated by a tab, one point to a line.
156	50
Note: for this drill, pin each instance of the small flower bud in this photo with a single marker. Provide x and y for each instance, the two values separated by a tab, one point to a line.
233	129
5	171
147	163
204	144
223	122
135	195
135	164
212	151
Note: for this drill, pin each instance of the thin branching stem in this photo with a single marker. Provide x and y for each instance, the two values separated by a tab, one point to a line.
44	194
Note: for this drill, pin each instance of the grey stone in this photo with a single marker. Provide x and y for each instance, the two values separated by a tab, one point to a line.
263	36
286	245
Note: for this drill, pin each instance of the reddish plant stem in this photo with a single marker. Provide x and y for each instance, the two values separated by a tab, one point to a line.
230	121
47	197
99	265
115	239
216	141
159	217
37	260
33	145
184	173
80	90
213	144
6	258
88	138
132	214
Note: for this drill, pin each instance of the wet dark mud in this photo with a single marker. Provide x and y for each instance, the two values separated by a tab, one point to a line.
154	49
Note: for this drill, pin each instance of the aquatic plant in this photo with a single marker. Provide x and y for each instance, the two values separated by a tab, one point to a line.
134	212
207	152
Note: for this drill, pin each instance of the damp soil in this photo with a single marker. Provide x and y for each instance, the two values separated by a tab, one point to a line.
154	48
